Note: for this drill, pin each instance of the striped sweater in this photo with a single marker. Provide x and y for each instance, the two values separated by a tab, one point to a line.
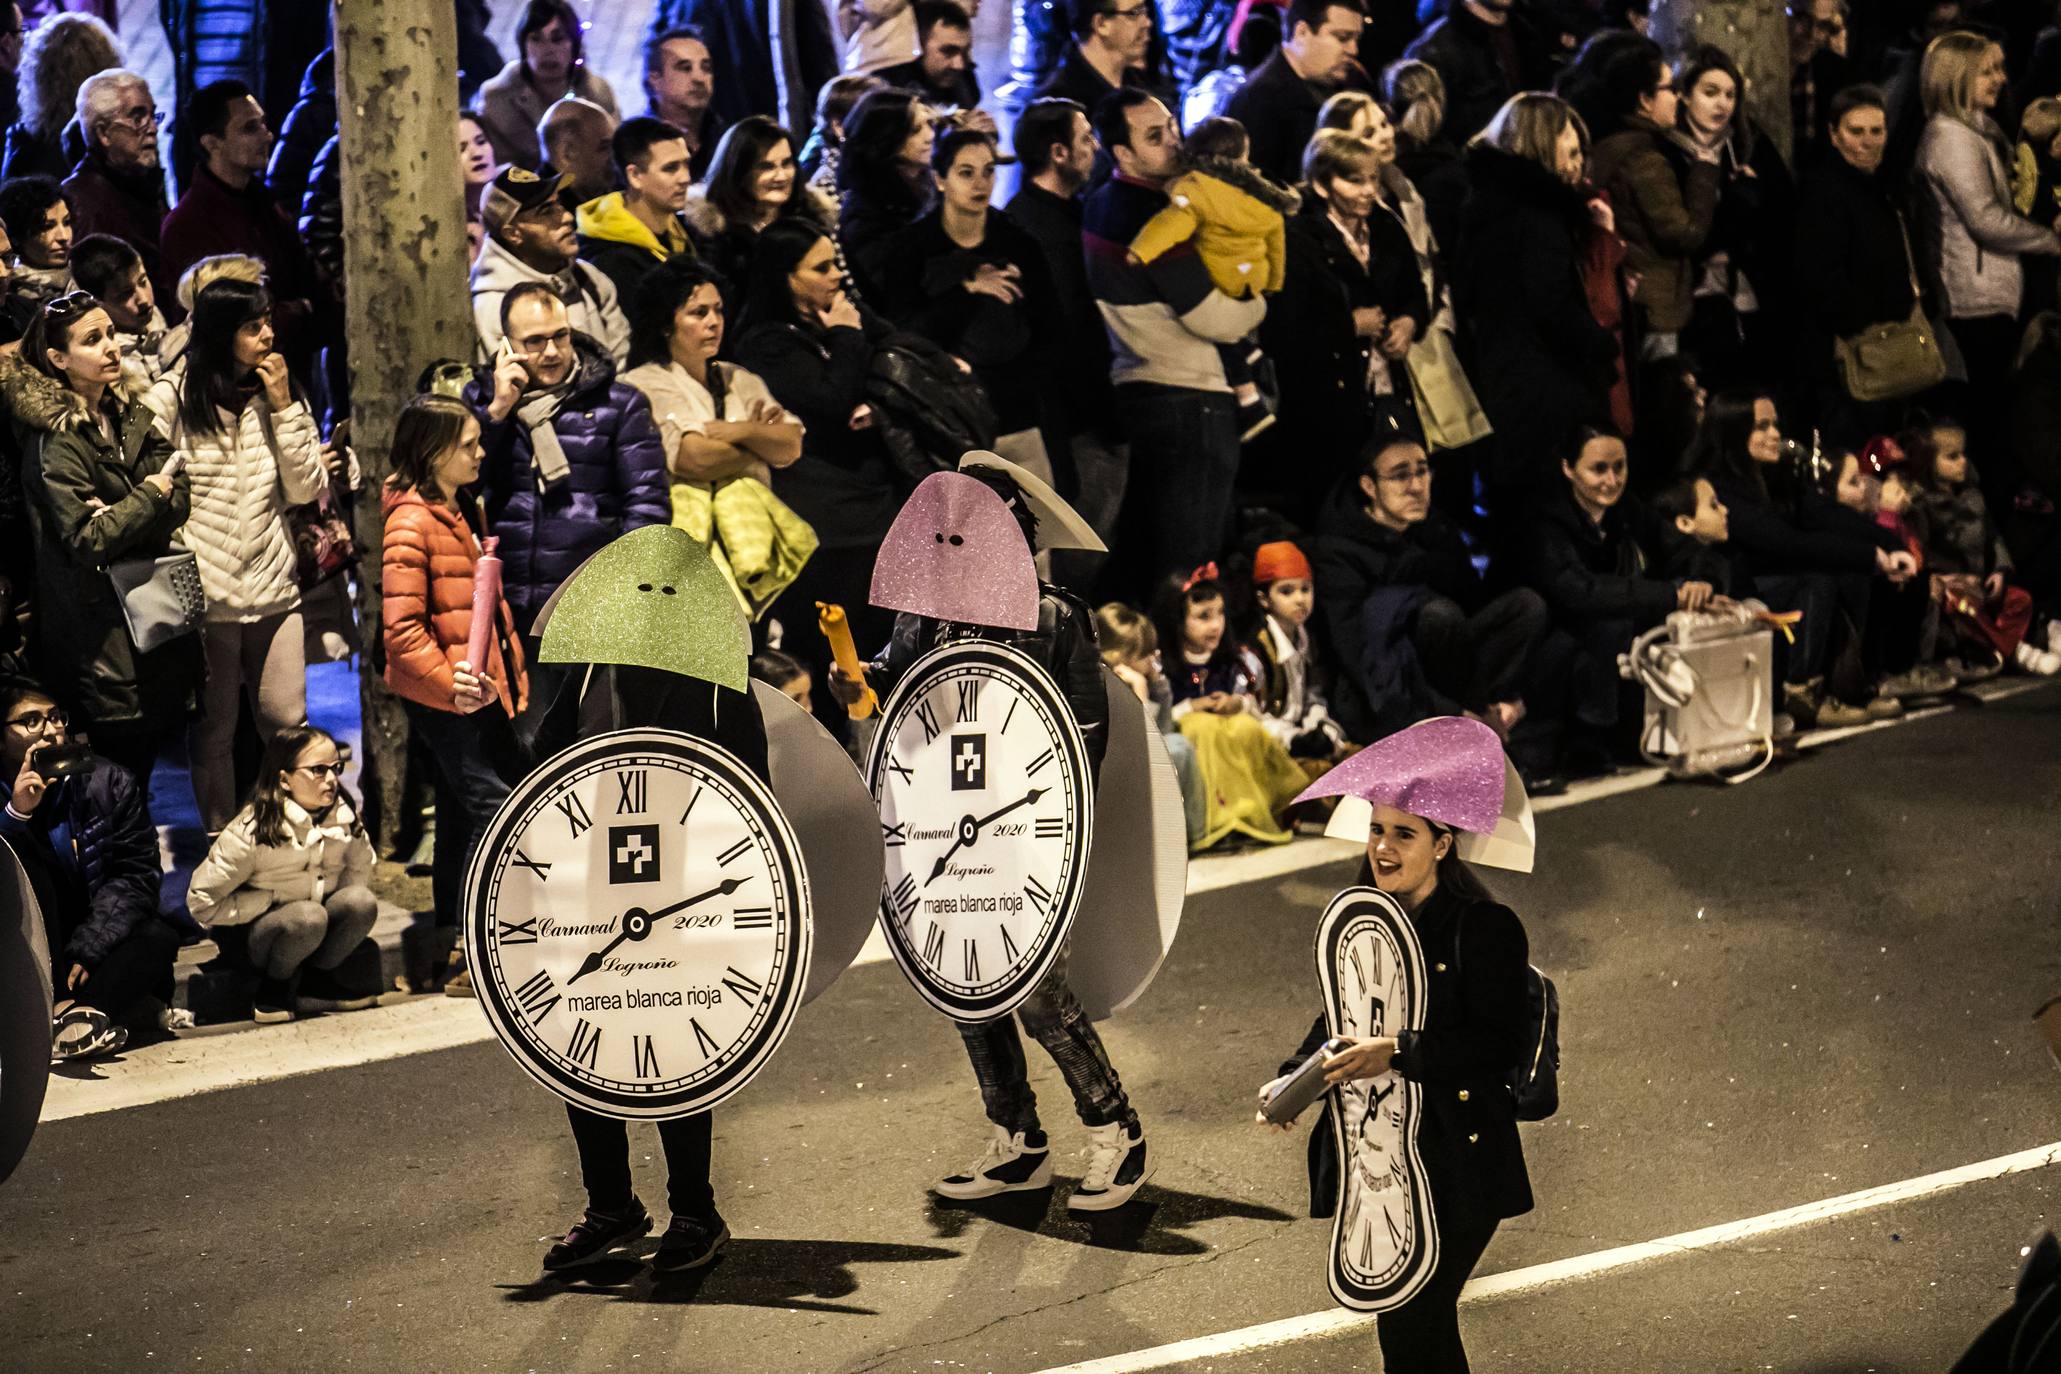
1165	318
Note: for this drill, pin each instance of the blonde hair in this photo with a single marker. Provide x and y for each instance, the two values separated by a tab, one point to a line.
1417	94
2041	121
1946	79
234	266
1333	152
1529	125
1340	110
1125	634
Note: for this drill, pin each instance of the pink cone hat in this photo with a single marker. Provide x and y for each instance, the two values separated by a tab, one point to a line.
1447	769
956	553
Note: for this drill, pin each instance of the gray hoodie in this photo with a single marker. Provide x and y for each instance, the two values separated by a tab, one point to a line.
590	299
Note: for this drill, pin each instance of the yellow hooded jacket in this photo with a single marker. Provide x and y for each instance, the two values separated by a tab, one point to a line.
1242	239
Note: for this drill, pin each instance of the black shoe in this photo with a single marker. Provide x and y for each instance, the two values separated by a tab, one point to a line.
690	1243
273	1002
322	990
595	1234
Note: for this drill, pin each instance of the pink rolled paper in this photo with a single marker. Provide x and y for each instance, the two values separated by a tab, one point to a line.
486	604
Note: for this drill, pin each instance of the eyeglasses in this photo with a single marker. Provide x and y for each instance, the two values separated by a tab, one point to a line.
1134	12
332	770
37	720
145	123
71	303
537	343
1403	477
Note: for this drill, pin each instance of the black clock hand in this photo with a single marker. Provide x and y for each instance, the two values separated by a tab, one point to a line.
722	889
638	923
593	961
969	830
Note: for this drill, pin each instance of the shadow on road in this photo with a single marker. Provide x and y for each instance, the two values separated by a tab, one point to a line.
804	1274
1148	1225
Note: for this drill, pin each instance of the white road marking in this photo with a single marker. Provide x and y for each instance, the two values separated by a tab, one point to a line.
1337	1320
204	1063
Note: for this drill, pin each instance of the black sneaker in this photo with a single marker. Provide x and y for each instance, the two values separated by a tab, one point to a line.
1013	1162
273	1002
322	990
690	1243
595	1234
1117	1168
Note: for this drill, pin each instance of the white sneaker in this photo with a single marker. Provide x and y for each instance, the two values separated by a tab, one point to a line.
1010	1164
1117	1168
2054	635
2038	662
175	1019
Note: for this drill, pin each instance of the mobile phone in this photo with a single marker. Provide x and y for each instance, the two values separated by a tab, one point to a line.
1302	1087
54	761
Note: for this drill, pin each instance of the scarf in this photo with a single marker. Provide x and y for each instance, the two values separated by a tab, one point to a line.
536	414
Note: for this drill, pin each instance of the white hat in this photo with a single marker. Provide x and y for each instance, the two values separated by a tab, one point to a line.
1060	526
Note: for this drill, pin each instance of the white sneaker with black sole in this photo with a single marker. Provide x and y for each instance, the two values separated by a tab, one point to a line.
1014	1162
1117	1168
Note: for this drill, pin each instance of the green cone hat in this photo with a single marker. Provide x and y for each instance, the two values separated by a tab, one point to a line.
652	599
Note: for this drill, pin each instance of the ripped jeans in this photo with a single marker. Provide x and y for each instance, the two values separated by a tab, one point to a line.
1053	1016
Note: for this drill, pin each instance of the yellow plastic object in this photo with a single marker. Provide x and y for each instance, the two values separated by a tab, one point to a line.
831	620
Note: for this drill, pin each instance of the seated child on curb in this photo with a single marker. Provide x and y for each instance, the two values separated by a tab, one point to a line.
1249	777
1970	565
286	888
1236	218
1292	705
1130	646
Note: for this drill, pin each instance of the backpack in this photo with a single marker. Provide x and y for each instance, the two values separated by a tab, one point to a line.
1535	1078
927	410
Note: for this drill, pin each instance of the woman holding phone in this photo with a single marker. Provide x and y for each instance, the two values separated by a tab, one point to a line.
1476	1020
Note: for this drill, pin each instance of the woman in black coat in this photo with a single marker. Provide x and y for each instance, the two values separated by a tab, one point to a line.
1351	303
1541	364
813	347
1476	1030
883	182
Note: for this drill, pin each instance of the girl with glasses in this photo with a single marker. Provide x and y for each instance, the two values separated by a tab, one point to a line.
284	889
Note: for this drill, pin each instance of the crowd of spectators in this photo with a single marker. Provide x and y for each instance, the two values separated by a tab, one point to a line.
1411	360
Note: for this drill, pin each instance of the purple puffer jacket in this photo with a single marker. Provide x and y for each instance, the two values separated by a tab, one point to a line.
616	482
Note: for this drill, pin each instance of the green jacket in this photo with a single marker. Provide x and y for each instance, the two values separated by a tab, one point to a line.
1665	199
82	643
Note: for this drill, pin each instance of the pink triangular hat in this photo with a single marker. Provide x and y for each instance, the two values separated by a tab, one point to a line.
1448	769
956	553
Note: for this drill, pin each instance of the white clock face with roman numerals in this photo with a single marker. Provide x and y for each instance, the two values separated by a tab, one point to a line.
986	811
1384	1242
637	924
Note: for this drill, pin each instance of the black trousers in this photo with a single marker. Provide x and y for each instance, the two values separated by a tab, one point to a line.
604	1145
1423	1335
139	966
1479	658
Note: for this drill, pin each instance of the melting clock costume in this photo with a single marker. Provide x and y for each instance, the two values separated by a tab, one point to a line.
957	566
667	726
1419	1165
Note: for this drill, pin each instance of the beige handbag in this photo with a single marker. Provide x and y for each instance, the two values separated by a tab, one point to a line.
1898	358
1447	407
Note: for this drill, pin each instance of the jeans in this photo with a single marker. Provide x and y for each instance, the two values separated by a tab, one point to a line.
1053	1015
269	659
604	1144
1184	463
1479	658
476	759
297	935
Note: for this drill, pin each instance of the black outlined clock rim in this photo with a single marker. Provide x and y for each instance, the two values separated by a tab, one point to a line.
1352	914
724	1072
987	661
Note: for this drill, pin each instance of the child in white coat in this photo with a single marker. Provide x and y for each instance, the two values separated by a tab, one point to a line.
285	889
1292	704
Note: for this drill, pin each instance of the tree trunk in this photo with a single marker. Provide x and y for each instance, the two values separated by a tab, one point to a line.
408	305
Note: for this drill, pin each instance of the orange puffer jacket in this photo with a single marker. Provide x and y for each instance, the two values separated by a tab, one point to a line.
426	606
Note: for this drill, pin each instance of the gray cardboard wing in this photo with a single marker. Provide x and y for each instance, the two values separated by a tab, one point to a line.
24	1012
1137	866
834	818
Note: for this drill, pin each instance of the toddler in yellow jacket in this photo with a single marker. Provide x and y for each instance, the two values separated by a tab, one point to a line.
1236	220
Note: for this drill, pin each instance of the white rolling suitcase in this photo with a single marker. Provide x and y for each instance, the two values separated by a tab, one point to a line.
1709	680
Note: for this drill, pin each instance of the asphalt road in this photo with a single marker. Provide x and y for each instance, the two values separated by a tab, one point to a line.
1772	994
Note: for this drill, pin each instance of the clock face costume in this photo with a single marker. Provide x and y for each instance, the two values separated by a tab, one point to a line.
640	932
987	811
1384	1236
24	1012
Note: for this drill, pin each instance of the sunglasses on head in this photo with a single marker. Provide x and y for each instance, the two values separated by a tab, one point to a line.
70	304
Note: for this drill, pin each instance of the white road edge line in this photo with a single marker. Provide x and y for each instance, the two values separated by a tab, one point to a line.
191	1065
1338	1320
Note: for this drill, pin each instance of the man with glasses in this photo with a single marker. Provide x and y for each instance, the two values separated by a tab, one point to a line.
1278	105
572	460
1112	42
85	839
531	238
1409	618
118	188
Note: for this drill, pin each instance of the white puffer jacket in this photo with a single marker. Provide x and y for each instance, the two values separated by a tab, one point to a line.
243	480
240	879
1969	225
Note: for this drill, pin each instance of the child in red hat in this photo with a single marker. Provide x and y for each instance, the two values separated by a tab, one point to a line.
1292	705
